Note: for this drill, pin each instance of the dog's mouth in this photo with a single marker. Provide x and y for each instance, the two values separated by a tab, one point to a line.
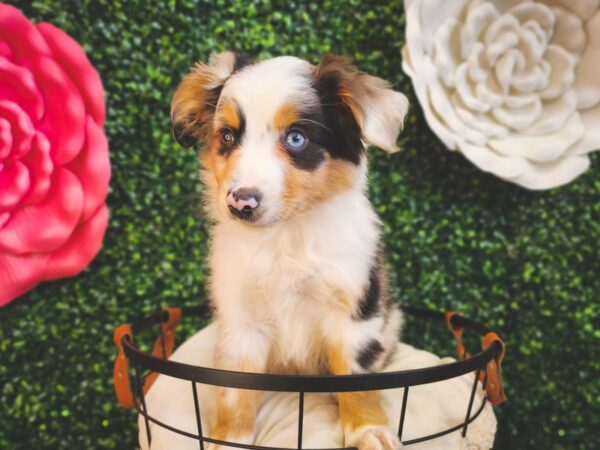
256	217
246	214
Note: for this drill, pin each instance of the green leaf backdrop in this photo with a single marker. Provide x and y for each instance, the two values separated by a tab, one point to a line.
526	263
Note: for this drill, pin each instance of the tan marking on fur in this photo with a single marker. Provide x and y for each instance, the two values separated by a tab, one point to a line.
356	408
361	408
304	189
350	101
285	116
189	105
345	301
221	168
314	364
228	114
236	415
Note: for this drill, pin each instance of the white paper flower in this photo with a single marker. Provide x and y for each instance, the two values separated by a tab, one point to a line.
512	84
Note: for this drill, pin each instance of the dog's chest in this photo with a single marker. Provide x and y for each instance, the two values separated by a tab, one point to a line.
294	284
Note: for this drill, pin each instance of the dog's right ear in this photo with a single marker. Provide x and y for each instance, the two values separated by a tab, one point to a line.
196	97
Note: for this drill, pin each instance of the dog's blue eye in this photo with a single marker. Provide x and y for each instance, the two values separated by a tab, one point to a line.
295	141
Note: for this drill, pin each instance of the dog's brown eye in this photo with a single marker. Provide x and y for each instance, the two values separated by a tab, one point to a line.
227	137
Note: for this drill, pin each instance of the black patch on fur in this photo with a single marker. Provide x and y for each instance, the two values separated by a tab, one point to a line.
241	61
369	305
212	98
183	138
369	354
311	124
237	132
344	141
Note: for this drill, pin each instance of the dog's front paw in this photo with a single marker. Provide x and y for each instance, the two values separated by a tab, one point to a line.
373	437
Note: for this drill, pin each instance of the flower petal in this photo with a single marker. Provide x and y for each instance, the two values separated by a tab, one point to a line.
535	12
501	36
505	67
587	81
521	117
6	139
583	8
490	92
544	148
5	50
479	17
591	139
40	168
555	174
475	64
444	109
480	122
83	245
446	55
17	85
532	79
536	30
18	274
92	167
465	91
47	225
64	121
71	57
20	34
22	129
568	31
529	44
562	72
14	182
422	91
428	15
554	114
489	161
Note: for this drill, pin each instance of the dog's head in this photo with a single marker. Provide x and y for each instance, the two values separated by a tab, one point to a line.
281	135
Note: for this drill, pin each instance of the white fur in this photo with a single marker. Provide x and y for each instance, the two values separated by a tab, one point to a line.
276	285
384	117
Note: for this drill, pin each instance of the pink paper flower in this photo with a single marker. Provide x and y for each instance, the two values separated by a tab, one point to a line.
54	166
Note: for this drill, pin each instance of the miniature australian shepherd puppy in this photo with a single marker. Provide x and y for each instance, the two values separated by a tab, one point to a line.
297	278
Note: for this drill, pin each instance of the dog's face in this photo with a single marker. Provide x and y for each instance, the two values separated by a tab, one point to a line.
281	135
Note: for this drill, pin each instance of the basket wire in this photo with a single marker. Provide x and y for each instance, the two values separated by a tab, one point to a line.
138	360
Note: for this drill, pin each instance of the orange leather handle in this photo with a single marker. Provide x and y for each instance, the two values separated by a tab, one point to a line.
461	351
493	387
163	345
120	371
163	348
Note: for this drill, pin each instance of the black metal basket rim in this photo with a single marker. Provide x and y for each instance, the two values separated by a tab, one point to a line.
311	383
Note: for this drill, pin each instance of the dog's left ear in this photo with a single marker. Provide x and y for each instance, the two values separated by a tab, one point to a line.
377	108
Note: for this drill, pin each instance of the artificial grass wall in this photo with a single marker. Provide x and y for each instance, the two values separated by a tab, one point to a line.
526	263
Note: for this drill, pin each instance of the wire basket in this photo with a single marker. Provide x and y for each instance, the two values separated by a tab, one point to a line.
135	371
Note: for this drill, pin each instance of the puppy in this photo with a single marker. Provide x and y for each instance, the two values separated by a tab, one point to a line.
297	278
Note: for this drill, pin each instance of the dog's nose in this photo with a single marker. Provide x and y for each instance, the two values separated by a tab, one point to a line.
244	202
